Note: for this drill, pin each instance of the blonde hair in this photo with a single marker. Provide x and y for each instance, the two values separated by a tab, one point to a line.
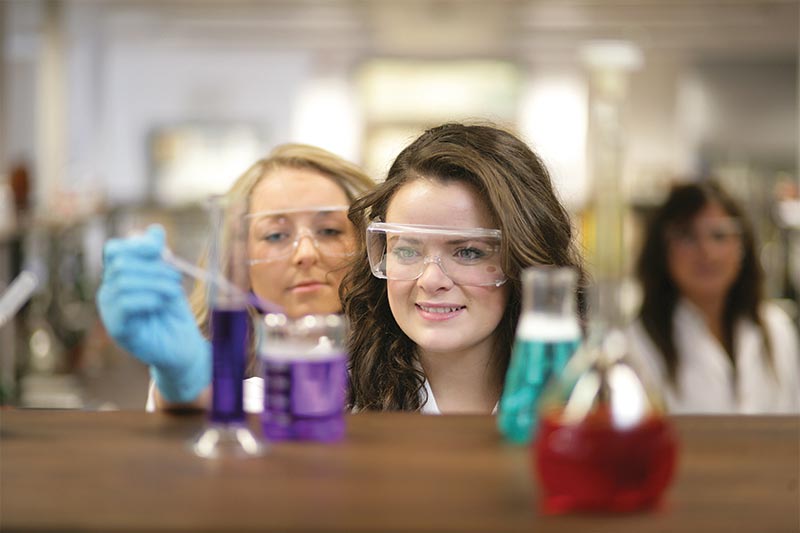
353	181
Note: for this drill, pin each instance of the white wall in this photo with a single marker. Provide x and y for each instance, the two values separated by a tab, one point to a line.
744	107
140	79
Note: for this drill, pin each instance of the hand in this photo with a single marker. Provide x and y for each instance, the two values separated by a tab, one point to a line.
144	308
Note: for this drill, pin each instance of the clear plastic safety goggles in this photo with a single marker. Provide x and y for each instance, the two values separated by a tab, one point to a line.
468	256
721	232
275	235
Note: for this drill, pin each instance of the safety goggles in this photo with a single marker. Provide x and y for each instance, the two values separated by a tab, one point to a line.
275	235
468	256
722	232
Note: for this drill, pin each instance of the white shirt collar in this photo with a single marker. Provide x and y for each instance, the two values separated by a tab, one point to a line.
430	407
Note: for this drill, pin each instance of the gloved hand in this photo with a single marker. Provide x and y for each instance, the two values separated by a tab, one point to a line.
144	308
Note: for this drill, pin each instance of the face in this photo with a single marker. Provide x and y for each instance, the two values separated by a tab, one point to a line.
704	258
437	314
303	276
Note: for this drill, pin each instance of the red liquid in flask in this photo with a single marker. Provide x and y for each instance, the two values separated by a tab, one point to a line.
594	466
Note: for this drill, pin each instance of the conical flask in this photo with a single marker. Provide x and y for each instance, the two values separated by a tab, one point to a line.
603	443
547	334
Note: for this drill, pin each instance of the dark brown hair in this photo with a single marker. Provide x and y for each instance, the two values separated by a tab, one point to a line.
661	295
536	229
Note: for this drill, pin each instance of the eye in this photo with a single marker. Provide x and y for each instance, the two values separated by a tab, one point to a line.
403	253
719	235
682	236
275	237
469	254
724	235
329	232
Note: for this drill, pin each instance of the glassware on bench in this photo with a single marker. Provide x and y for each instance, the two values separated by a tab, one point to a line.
305	377
547	335
604	442
227	432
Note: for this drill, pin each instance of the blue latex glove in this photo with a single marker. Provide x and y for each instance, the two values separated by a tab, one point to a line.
144	308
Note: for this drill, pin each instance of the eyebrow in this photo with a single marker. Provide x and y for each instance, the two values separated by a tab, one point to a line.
395	238
328	214
274	217
483	240
291	210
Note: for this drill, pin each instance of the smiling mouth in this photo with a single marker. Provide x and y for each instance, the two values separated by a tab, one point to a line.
440	310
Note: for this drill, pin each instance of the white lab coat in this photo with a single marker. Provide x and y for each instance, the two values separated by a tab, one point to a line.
253	395
430	407
705	376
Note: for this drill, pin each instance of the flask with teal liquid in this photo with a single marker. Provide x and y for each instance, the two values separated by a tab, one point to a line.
547	335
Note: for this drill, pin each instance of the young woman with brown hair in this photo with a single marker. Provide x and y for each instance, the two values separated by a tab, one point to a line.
705	333
434	303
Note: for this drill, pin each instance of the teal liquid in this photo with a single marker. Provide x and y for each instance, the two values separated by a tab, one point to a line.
533	363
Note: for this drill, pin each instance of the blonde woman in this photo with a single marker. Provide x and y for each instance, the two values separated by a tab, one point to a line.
299	243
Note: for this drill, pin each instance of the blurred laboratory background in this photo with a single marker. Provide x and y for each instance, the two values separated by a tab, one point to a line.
116	113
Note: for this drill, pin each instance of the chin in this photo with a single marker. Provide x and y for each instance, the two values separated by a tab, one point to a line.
438	342
298	309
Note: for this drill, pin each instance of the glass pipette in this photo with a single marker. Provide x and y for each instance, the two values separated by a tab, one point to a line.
202	274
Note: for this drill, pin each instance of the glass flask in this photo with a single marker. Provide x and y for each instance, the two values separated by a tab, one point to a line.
547	334
603	442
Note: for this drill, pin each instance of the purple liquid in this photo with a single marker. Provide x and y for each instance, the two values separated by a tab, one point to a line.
229	348
304	400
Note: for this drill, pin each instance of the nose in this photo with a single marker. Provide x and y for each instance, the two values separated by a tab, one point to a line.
305	251
433	277
707	246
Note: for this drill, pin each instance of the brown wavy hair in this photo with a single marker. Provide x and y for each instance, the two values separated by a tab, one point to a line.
536	230
661	295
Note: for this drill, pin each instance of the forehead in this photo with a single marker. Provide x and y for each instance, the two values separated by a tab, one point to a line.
711	214
711	211
291	188
433	203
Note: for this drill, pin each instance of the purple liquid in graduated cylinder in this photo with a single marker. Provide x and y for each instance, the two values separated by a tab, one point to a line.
229	349
304	400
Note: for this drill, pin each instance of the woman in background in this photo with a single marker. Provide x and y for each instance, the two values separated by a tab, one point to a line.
434	303
705	334
299	241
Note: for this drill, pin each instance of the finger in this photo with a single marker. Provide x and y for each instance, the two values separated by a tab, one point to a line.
145	269
149	244
165	289
133	303
119	282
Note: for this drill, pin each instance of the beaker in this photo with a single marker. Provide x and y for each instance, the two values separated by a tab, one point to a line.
305	377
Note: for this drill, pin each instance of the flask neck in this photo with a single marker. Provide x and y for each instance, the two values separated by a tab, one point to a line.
549	291
606	305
